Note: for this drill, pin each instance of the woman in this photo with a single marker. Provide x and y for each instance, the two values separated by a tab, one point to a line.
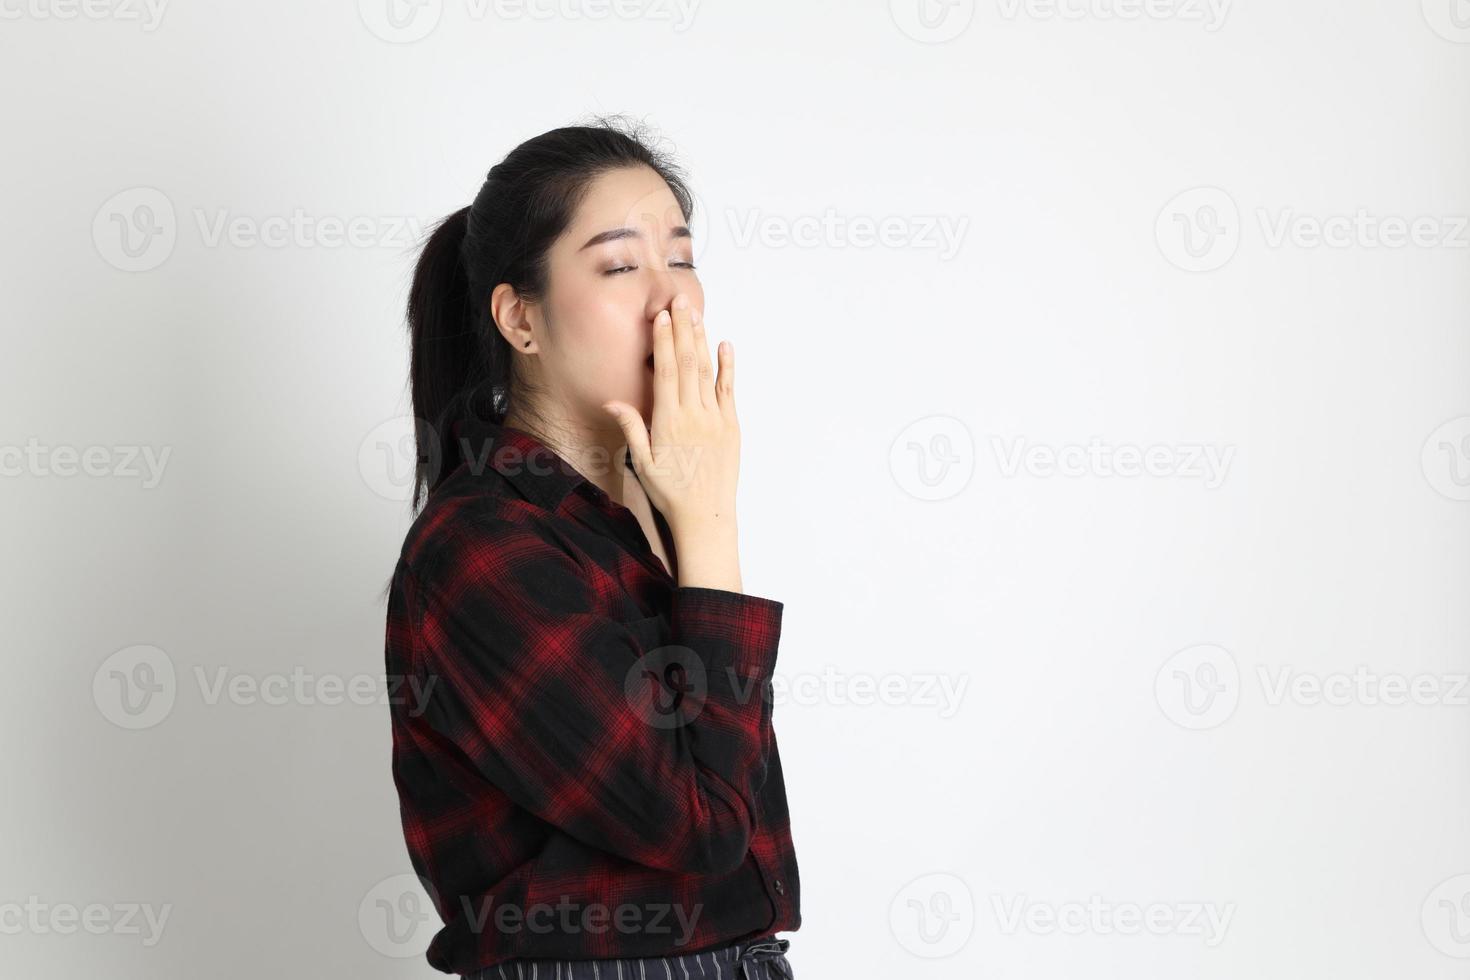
588	778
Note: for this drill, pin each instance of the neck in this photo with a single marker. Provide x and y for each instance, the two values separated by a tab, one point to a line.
597	453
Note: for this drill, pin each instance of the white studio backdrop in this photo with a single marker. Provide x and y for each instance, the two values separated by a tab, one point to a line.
1105	393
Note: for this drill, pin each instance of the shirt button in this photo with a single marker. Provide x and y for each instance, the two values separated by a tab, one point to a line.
780	888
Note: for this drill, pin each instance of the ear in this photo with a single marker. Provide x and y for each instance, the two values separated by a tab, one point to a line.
512	317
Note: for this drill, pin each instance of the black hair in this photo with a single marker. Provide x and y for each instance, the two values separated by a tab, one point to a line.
460	365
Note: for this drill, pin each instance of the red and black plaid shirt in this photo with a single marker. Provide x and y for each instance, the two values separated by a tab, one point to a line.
588	770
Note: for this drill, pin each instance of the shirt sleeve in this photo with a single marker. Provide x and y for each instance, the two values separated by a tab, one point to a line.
550	700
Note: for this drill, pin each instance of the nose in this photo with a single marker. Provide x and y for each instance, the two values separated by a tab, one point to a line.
661	294
665	284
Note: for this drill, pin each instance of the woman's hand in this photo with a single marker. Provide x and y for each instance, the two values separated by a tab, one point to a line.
688	459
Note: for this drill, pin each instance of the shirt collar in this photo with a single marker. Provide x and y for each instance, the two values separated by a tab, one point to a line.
536	470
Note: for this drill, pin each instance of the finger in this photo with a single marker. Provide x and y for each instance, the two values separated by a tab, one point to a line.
684	352
725	383
665	367
706	372
635	433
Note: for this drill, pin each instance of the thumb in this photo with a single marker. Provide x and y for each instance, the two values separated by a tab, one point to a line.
634	431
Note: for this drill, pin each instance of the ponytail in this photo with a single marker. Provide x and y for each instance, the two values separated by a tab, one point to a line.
444	350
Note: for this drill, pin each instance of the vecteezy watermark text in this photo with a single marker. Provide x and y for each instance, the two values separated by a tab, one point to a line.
1099	917
1200	461
40	918
939	233
109	462
137	687
1210	13
569	917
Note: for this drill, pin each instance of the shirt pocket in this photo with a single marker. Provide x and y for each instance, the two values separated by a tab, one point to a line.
650	631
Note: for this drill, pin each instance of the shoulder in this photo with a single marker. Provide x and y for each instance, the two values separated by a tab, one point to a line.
472	528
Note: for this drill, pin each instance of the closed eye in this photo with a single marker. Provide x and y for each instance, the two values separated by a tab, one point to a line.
629	268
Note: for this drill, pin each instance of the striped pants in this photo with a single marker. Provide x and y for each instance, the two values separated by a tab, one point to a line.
761	959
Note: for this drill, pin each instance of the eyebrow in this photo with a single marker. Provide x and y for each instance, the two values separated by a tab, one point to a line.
615	234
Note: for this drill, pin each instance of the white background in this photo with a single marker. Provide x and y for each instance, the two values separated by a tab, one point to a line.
1235	691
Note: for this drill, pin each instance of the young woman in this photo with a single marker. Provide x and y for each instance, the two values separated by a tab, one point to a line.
588	778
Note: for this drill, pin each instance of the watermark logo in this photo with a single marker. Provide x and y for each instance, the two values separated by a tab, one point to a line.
933	458
388	455
135	230
1450	19
932	21
400	21
1445	458
1199	229
1445	917
1198	687
658	211
397	916
135	687
933	916
667	686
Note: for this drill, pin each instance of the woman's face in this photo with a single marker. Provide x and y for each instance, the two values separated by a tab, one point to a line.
625	256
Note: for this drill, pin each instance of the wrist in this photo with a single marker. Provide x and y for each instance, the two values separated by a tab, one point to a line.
712	527
709	556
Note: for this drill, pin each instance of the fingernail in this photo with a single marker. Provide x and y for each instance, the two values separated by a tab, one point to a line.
681	302
663	317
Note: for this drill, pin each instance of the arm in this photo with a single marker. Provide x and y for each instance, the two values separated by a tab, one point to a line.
528	681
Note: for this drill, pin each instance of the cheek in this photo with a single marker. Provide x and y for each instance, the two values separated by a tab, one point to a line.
584	313
595	327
